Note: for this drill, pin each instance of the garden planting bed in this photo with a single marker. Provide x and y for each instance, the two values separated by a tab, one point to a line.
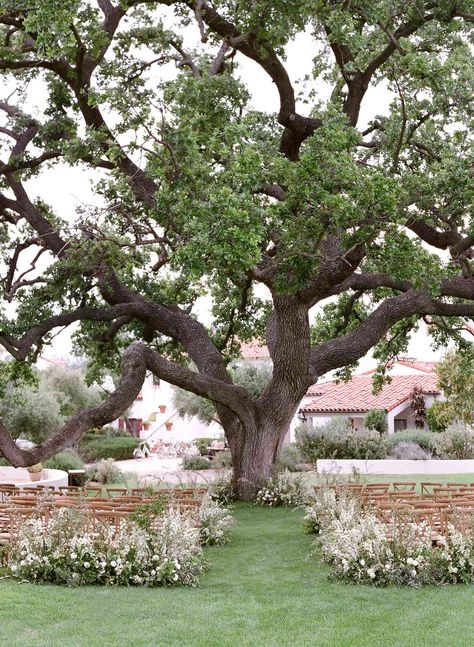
403	533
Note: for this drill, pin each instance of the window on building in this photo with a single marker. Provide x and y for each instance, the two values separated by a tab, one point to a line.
156	381
400	424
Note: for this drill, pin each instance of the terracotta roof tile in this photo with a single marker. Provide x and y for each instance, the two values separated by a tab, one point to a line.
427	367
356	395
410	362
254	350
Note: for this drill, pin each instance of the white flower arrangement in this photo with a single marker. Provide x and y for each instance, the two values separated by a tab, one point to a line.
362	549
68	549
284	489
215	522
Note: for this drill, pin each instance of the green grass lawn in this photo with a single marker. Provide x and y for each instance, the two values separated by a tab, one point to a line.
314	477
262	590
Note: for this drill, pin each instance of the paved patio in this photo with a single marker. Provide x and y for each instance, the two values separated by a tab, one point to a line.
153	470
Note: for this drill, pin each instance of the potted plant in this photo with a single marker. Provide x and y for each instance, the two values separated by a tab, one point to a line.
168	426
162	408
35	472
146	425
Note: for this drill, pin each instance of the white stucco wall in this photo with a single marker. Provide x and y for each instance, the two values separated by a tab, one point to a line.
404	411
154	395
20	477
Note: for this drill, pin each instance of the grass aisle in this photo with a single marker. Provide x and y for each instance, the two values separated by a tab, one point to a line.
261	591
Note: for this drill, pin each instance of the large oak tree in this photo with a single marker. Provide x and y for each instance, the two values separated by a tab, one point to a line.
198	193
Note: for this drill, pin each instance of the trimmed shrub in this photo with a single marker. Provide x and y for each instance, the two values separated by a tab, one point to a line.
202	444
366	444
222	460
290	458
376	419
98	447
455	443
66	461
424	439
106	472
409	451
196	463
325	442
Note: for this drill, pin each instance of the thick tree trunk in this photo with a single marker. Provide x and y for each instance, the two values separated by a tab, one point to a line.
253	455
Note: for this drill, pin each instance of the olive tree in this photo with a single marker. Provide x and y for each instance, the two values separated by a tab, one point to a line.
270	215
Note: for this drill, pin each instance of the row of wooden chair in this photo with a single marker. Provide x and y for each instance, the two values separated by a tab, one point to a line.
400	505
20	505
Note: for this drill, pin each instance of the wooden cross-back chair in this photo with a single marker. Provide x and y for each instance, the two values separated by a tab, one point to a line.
116	491
427	487
404	486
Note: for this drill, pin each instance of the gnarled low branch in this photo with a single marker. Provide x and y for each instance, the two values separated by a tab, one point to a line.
136	360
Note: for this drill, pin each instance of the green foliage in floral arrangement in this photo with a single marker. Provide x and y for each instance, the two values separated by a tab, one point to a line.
144	515
222	490
215	522
359	548
283	489
70	550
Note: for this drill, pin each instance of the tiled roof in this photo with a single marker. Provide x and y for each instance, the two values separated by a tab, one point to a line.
426	367
318	388
356	395
410	362
254	350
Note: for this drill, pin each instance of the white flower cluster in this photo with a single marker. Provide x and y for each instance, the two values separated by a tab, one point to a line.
282	489
215	522
70	549
362	549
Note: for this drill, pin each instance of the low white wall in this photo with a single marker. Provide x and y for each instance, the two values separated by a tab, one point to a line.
21	477
388	466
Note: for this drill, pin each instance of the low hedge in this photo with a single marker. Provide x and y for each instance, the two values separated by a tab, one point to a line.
319	442
337	441
196	463
119	448
427	440
67	460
